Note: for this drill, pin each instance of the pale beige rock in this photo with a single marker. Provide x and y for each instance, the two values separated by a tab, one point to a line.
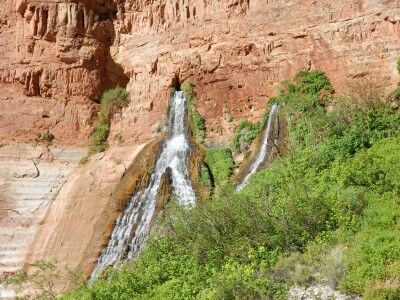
30	178
72	234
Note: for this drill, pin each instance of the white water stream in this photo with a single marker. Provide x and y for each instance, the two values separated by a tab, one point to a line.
133	225
262	154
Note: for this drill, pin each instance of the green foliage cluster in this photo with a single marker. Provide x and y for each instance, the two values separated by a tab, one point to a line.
110	102
221	164
245	133
46	137
196	121
311	82
398	65
205	176
327	212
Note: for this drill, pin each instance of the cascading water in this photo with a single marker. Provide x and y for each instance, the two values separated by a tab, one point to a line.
273	116
133	225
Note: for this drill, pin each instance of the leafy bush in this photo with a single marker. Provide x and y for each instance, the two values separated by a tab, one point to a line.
312	82
196	121
245	133
46	137
229	118
110	102
205	178
99	138
221	164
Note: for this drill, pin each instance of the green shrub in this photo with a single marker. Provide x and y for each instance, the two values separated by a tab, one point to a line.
229	118
221	164
99	138
398	65
244	135
312	82
111	101
46	137
196	121
205	178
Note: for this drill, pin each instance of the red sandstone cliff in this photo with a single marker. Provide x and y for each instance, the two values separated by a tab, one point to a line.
237	52
54	63
55	57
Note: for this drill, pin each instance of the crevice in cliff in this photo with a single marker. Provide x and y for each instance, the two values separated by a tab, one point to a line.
176	83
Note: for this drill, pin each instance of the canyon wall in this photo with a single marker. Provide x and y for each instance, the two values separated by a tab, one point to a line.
54	63
31	177
238	51
55	58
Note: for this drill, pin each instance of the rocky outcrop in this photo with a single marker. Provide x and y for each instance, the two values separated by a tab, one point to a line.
318	292
81	218
55	68
237	52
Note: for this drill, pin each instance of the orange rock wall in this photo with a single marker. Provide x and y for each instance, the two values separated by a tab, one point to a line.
237	52
54	63
55	58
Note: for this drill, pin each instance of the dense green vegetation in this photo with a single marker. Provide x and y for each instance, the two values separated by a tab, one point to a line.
326	212
398	65
221	164
196	121
244	135
110	102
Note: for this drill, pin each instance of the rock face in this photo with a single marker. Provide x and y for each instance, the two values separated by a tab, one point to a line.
82	216
30	178
237	52
54	62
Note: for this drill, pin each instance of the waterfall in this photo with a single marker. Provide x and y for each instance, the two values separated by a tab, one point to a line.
133	225
262	154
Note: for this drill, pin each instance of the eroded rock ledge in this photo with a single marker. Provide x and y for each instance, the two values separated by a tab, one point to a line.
238	52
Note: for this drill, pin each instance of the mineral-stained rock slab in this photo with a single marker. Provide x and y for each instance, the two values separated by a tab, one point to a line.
30	178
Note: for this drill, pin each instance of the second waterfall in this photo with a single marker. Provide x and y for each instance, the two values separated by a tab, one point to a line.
133	225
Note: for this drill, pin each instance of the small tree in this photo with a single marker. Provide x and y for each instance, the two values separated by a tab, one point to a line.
111	102
42	282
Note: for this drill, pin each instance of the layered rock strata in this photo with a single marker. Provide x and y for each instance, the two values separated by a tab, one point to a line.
54	63
30	178
238	52
79	222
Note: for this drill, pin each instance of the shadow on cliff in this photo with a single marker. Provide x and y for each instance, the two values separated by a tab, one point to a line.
112	73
